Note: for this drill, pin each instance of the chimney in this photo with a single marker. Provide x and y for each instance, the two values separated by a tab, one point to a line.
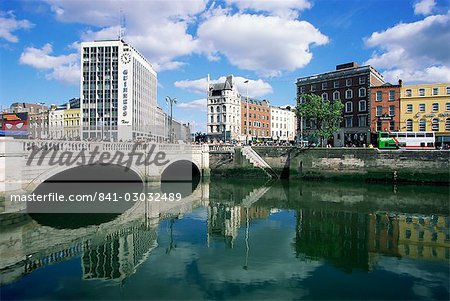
400	82
346	66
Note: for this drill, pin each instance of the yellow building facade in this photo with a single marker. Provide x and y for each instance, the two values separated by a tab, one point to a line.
425	237
426	108
72	123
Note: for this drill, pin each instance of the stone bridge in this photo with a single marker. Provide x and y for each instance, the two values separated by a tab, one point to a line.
25	164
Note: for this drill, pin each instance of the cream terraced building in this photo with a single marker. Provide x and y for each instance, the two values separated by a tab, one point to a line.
284	123
426	108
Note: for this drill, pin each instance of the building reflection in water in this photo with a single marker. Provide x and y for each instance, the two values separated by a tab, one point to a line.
224	220
355	241
119	255
337	236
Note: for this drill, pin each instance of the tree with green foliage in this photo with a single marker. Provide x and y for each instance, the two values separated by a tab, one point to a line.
327	115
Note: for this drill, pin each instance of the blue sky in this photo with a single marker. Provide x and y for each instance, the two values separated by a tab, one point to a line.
271	43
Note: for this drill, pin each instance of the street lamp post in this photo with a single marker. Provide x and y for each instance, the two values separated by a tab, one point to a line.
171	101
246	136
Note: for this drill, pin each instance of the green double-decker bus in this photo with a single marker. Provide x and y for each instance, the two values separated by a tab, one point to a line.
387	141
407	140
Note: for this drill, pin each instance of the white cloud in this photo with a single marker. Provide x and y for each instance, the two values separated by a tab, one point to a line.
198	104
417	51
284	8
434	74
265	44
256	88
159	29
424	7
9	24
63	68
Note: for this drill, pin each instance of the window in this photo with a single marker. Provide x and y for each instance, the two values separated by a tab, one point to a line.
348	107
435	107
391	95
302	89
379	96
447	90
408	93
313	88
336	84
348	82
435	124
379	124
447	106
392	125
391	110
362	105
409	108
422	125
325	96
379	110
447	124
435	91
409	125
348	122
422	107
362	92
348	94
324	86
362	80
421	92
337	95
362	120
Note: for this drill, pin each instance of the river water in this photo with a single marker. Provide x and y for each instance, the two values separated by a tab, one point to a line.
240	240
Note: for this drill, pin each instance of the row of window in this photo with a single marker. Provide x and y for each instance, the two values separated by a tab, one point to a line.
422	107
256	124
281	125
254	116
379	111
100	49
257	109
362	106
224	118
435	125
421	91
348	121
337	94
336	84
391	126
281	134
391	95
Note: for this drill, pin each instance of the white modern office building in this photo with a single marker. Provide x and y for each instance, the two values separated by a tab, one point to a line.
118	92
224	111
283	123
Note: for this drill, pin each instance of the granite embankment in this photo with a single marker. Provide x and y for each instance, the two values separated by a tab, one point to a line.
355	164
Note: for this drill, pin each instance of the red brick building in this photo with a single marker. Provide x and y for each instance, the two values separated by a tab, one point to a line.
258	119
385	108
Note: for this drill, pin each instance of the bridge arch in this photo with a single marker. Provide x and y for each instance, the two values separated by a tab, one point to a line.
57	170
181	170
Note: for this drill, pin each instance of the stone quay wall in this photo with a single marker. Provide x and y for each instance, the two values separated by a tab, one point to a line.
354	164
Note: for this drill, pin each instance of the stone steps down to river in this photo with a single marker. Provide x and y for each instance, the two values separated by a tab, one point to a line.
255	195
257	161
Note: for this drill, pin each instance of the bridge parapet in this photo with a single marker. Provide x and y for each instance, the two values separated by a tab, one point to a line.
27	163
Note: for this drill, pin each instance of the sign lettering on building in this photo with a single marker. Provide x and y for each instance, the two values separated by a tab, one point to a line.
125	93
